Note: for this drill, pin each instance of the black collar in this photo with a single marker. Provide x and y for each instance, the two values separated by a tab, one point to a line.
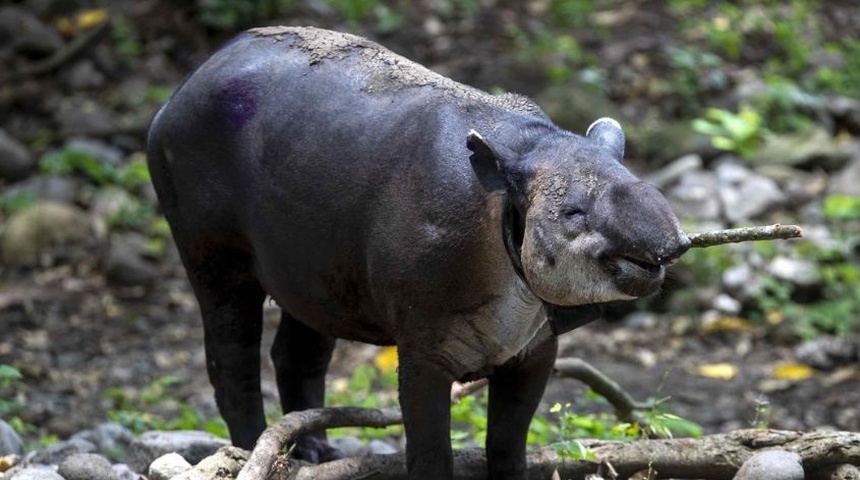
561	319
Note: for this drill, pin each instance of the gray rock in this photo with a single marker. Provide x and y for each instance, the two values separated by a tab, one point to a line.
16	161
771	465
36	234
812	148
845	471
83	116
726	304
22	33
574	106
36	472
827	352
191	445
741	282
56	453
745	194
846	110
121	471
168	466
349	445
673	172
102	151
380	447
110	200
10	441
112	439
799	272
57	188
85	466
128	262
847	180
695	196
225	463
84	76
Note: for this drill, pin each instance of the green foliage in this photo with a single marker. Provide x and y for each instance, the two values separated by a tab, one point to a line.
133	409
71	161
694	72
741	132
469	421
13	391
841	207
236	14
134	214
368	387
836	307
761	414
126	41
11	384
785	106
844	79
657	422
11	203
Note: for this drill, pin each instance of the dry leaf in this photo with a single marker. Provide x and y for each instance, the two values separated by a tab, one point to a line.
792	371
70	26
722	371
386	359
727	324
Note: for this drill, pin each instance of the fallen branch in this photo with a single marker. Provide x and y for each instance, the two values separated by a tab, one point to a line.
71	51
746	234
291	426
625	406
713	457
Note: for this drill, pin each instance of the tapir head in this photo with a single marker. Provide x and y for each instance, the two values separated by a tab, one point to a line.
590	230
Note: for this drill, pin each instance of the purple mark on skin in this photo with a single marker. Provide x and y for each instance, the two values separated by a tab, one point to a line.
238	101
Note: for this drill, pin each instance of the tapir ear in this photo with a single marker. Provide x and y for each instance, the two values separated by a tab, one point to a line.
609	133
486	164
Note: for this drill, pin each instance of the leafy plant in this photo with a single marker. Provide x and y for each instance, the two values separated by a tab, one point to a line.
133	409
657	421
741	132
18	201
235	14
71	161
11	384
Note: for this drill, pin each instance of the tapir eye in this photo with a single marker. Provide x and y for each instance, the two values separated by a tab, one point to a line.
572	211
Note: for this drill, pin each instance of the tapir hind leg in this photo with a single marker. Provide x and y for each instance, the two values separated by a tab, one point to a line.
231	304
301	356
516	389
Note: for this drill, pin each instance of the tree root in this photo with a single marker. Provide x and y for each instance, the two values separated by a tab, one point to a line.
713	457
746	234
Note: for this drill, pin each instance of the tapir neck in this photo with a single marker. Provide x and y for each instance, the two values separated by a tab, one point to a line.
562	319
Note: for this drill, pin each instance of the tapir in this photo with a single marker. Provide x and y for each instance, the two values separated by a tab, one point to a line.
376	201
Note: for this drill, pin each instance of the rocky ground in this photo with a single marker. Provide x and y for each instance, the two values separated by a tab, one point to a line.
95	311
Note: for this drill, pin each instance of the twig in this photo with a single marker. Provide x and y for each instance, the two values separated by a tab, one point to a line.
62	56
746	234
625	406
291	426
462	390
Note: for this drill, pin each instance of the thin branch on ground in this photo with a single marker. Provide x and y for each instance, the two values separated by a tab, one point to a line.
64	55
746	234
291	426
713	457
624	404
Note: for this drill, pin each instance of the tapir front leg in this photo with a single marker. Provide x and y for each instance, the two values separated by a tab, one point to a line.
425	399
515	391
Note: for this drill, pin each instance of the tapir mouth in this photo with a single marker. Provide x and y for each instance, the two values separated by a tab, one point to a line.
634	276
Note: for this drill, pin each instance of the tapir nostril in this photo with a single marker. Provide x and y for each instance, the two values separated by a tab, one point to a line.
673	254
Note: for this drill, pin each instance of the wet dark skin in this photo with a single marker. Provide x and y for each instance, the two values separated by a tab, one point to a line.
364	194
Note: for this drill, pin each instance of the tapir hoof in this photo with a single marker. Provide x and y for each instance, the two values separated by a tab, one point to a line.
315	450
